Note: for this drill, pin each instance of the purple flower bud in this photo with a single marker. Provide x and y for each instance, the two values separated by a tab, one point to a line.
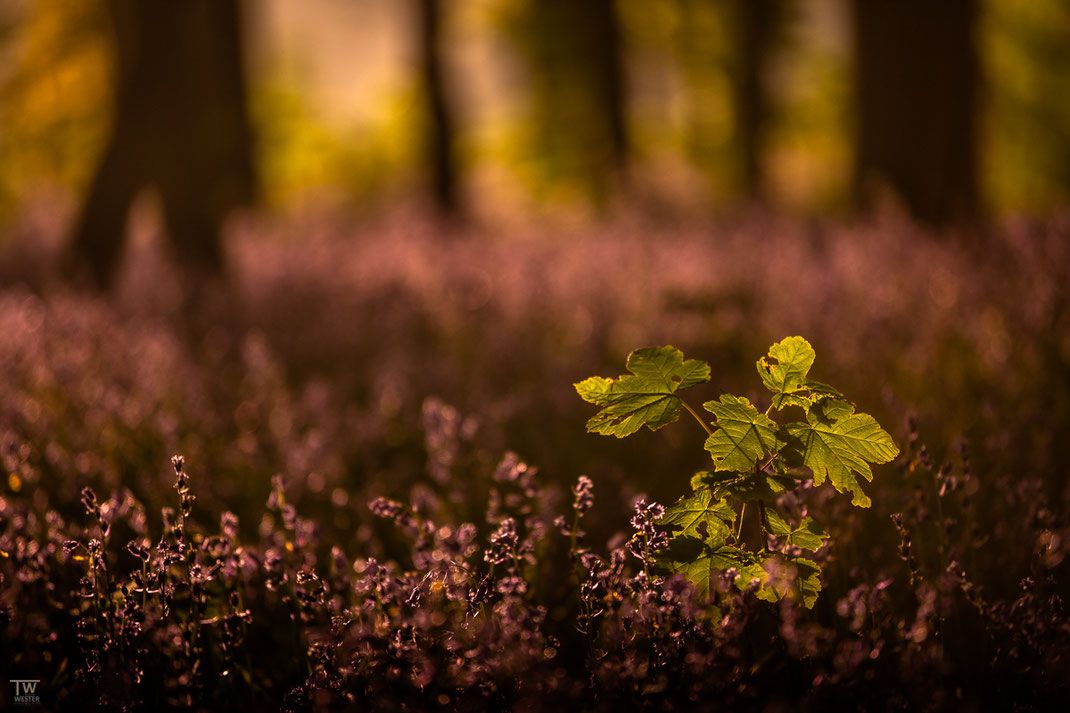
381	507
584	495
89	499
228	523
289	517
509	469
590	561
502	542
512	586
138	550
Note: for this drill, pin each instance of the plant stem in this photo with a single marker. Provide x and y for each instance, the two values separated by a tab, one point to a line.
646	556
577	570
739	530
697	417
763	466
763	520
572	539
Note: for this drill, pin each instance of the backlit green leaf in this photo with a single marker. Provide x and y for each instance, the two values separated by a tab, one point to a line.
784	372
784	369
777	575
644	397
699	562
782	576
757	572
706	479
746	486
702	516
839	449
808	535
743	434
806	584
831	410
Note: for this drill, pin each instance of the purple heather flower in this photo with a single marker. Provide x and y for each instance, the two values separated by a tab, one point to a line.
384	508
584	495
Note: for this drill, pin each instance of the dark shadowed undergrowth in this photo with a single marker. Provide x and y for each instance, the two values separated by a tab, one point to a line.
352	528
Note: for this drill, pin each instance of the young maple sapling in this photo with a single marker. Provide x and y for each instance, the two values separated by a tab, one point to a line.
755	460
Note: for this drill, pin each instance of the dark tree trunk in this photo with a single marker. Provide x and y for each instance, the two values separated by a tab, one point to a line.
181	126
439	135
917	78
607	64
756	20
579	87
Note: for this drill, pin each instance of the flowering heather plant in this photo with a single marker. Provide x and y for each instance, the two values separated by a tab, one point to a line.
125	617
407	558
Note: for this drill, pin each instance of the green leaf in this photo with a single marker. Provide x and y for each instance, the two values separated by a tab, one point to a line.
778	575
759	487
699	562
781	576
829	411
746	486
806	582
808	535
743	434
702	516
706	479
841	448
757	571
644	397
784	372
690	557
784	369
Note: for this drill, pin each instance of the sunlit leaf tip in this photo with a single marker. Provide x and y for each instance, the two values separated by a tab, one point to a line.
784	371
646	396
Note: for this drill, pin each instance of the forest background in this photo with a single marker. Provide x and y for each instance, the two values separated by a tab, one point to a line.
369	245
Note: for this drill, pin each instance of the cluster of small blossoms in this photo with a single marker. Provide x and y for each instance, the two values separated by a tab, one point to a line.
463	620
186	498
647	538
583	493
503	543
384	508
583	499
101	594
905	547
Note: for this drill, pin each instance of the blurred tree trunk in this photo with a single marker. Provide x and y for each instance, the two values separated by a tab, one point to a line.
439	135
579	88
181	125
606	57
728	42
917	79
756	22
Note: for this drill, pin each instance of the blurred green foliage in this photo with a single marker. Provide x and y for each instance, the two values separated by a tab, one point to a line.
1025	50
57	74
300	153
